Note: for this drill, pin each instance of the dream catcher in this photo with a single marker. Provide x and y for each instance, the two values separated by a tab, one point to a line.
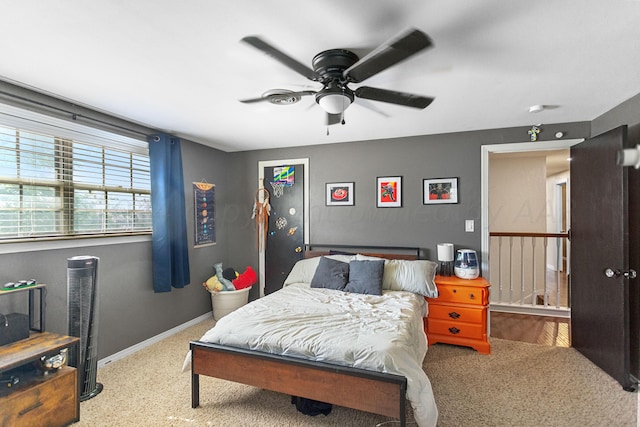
261	211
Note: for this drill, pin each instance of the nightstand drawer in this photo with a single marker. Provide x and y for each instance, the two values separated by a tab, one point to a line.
463	294
455	329
456	313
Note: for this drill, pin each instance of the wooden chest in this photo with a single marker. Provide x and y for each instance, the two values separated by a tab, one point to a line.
459	314
50	400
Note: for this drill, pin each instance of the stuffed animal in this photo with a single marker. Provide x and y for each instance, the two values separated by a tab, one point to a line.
228	286
222	282
213	284
229	273
245	280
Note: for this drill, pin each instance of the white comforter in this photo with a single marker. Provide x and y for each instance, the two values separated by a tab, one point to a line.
381	333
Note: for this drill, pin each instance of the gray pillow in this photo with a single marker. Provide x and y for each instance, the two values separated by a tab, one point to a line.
365	277
330	274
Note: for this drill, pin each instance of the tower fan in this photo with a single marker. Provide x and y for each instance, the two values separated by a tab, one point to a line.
82	297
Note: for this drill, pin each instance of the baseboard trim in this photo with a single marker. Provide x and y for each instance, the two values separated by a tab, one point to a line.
146	343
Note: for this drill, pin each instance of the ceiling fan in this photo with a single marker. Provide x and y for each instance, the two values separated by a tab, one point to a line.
335	69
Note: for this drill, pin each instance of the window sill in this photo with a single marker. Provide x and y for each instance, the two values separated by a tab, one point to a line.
44	245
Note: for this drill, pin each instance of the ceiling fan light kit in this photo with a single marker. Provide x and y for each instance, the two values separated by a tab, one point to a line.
333	103
335	69
335	98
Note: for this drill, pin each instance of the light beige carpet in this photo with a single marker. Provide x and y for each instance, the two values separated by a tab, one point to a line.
519	384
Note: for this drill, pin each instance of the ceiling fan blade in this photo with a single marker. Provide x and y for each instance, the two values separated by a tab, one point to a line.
285	97
393	97
333	119
388	54
282	57
252	100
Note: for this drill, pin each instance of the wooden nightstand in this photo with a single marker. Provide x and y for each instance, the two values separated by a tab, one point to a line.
459	314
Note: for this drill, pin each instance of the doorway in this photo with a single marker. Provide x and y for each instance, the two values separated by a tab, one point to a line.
540	286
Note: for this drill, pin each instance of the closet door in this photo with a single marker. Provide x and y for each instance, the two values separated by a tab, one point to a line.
286	230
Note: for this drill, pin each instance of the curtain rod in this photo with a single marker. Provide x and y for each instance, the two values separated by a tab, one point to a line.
72	115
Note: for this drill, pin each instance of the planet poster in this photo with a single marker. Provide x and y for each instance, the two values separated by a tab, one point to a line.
204	210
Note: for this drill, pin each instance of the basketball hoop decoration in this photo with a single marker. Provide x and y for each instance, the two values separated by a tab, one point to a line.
261	211
278	188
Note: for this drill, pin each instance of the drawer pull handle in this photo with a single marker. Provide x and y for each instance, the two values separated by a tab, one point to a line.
472	296
454	315
454	330
30	408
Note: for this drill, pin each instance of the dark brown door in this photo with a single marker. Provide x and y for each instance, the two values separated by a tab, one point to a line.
600	305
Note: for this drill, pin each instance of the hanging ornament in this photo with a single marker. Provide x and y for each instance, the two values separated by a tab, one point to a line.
533	133
292	231
281	223
292	211
261	212
298	249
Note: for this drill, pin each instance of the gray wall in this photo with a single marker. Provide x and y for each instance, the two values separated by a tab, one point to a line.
415	159
627	113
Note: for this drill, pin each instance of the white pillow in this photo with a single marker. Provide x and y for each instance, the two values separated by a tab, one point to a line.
303	270
415	276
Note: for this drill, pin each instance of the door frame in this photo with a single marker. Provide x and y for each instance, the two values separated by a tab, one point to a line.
517	147
284	162
561	200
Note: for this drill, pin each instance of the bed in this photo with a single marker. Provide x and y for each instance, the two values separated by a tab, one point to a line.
347	346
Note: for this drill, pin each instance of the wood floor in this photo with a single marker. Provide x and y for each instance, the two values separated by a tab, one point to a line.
553	331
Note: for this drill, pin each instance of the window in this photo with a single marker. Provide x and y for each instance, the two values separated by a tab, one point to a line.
59	179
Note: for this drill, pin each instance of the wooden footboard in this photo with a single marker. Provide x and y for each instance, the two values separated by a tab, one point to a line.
360	389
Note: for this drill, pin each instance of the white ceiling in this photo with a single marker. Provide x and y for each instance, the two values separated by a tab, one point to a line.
179	66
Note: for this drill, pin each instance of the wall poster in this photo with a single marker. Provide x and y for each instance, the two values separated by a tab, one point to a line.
204	210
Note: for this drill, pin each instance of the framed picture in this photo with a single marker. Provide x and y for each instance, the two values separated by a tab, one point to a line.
389	192
340	194
204	212
440	190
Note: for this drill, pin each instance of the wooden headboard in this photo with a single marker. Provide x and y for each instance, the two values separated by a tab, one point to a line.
389	252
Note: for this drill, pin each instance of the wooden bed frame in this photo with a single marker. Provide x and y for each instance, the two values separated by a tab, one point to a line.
364	390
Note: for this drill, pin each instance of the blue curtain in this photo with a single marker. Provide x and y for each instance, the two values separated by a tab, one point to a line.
169	241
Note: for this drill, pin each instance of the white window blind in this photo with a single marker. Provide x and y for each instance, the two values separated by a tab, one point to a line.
62	179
